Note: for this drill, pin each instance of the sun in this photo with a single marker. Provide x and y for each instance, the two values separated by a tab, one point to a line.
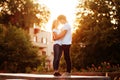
57	7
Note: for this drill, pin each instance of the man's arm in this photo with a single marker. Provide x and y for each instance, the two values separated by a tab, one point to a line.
59	36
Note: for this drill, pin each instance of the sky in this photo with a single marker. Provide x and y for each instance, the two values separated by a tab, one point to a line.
57	7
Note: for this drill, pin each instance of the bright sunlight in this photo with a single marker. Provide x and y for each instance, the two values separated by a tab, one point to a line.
57	7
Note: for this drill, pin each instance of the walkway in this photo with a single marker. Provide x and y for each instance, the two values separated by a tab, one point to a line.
22	76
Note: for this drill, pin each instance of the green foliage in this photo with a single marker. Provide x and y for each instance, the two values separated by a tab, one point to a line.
97	37
23	13
16	50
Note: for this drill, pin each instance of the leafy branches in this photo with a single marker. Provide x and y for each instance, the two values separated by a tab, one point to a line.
98	31
23	13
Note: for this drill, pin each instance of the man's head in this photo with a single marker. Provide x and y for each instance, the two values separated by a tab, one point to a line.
62	19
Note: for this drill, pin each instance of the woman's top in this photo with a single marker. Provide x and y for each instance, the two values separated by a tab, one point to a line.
57	31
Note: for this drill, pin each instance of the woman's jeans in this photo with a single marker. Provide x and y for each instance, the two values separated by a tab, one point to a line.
57	55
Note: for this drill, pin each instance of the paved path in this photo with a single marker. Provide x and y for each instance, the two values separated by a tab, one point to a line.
22	76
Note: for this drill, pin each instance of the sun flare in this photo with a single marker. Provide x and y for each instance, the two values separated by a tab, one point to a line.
57	7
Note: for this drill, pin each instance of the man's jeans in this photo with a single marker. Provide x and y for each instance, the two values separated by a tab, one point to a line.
66	51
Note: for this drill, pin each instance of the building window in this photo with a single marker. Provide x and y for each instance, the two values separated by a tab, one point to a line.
43	53
52	53
44	40
35	39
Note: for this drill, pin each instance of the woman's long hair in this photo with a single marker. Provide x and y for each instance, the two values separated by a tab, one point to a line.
54	24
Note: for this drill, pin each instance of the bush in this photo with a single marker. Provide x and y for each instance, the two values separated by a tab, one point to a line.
16	50
103	67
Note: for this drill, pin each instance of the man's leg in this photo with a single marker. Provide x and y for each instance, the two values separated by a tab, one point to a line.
66	49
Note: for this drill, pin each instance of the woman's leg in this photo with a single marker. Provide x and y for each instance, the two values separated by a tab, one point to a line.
57	55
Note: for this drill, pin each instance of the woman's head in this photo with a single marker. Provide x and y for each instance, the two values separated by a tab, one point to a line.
55	24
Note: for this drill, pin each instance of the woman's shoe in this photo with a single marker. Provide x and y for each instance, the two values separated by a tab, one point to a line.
57	74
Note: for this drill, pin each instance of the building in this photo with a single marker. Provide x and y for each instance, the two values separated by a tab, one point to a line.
43	40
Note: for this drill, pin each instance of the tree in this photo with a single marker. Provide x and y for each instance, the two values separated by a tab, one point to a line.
23	13
16	50
97	37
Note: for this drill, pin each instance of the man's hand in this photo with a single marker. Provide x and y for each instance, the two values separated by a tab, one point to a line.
59	36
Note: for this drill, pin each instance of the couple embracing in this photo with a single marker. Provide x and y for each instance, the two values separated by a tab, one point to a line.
62	42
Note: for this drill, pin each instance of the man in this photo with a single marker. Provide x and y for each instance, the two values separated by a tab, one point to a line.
66	38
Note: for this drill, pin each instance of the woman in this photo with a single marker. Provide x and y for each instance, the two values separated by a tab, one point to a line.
57	48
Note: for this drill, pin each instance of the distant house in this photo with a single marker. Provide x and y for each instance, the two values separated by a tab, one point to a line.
43	40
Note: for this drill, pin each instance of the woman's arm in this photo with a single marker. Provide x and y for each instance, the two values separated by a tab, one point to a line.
54	34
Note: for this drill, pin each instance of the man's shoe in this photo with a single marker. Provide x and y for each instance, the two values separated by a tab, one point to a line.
66	74
57	74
